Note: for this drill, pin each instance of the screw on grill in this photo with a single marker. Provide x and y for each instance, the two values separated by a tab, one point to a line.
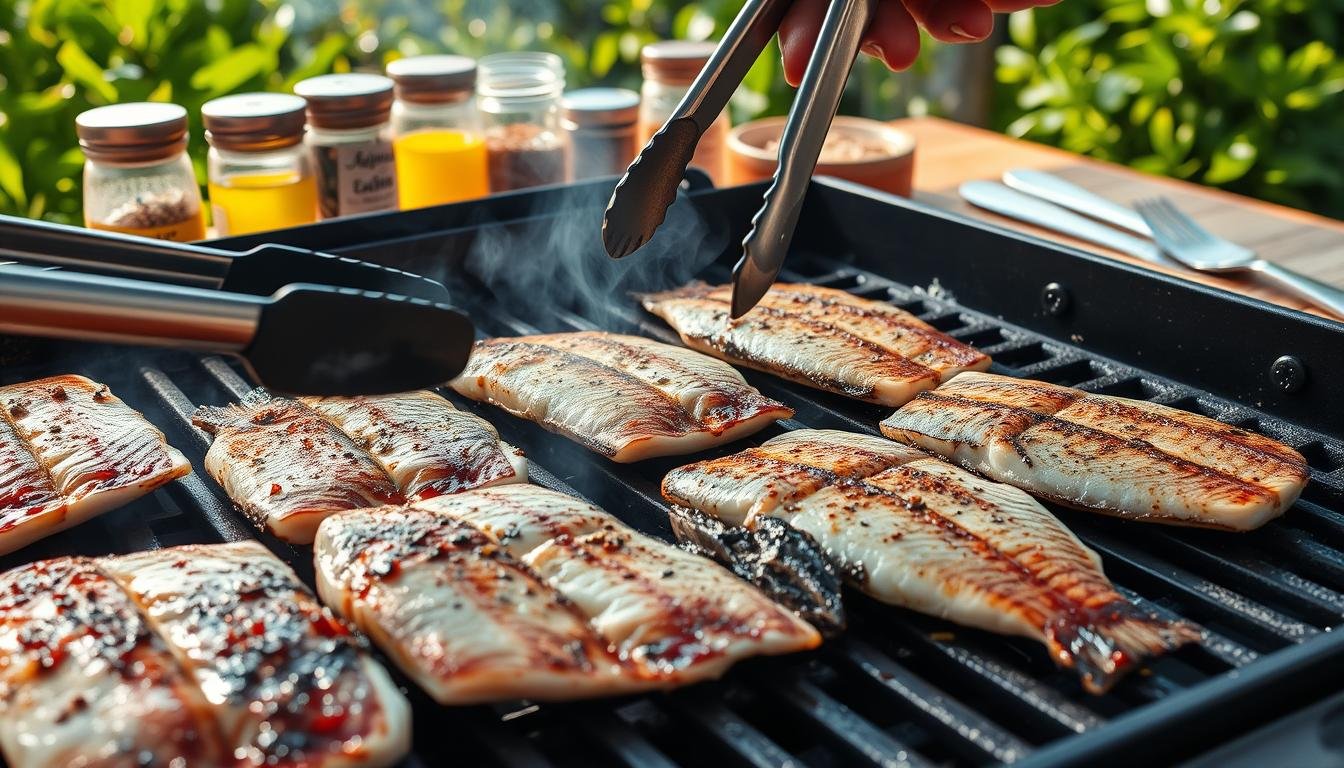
1288	373
1055	299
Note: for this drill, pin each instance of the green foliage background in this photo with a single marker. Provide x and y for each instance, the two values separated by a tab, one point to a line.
1236	93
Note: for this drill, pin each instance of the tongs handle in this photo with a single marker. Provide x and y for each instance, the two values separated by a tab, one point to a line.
70	305
800	146
737	51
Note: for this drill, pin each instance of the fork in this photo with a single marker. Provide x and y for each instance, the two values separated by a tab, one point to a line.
1199	249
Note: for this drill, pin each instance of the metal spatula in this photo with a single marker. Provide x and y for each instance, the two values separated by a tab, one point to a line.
306	339
260	271
640	201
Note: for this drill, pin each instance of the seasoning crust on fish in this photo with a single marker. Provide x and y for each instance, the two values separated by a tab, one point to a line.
521	592
821	337
625	397
1107	454
927	535
70	450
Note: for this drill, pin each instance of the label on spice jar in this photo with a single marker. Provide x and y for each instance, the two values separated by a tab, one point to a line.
355	178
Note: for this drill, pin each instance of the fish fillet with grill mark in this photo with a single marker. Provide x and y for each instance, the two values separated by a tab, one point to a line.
1107	454
822	337
624	397
283	678
85	681
459	614
287	467
927	535
427	446
676	617
70	450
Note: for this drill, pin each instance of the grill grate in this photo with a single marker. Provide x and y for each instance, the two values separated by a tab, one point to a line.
899	689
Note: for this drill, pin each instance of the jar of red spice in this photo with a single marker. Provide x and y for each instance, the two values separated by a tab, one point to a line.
137	178
519	97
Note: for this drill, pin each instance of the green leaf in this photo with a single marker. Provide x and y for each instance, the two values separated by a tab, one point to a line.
11	176
84	71
226	74
1231	160
133	16
606	49
1160	129
1022	28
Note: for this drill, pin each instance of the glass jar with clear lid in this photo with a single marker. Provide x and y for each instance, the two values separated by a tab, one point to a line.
436	131
137	177
519	98
259	173
669	67
350	142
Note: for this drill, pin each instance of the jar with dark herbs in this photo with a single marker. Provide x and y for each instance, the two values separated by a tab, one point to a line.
137	178
350	141
601	124
519	97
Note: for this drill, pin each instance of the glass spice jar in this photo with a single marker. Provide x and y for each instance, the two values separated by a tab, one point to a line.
350	142
519	98
436	131
669	67
601	124
137	177
258	168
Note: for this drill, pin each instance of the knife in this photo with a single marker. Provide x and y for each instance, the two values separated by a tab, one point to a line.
1069	195
1005	201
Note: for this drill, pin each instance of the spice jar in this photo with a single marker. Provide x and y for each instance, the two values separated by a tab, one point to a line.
137	178
669	67
519	99
439	147
259	173
350	142
601	124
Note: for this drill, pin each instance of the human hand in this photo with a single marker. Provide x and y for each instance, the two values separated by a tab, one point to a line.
893	35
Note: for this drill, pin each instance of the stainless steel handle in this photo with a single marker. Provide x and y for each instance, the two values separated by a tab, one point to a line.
1069	195
70	305
738	49
1314	291
995	197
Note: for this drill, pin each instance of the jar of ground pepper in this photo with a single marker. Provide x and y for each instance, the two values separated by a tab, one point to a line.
436	129
259	173
669	67
137	177
519	97
350	142
601	124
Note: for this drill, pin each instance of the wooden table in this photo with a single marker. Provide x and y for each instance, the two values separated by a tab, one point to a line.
949	153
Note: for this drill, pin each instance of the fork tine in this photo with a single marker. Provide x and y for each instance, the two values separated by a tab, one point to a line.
1174	223
1189	225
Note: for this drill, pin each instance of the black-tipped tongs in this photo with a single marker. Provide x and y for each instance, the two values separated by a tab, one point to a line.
649	187
302	322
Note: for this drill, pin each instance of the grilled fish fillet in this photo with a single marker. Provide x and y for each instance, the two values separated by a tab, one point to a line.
283	679
427	446
1107	454
924	534
70	450
624	397
821	337
457	613
520	592
287	467
85	681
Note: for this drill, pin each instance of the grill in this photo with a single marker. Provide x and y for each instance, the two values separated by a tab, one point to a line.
899	688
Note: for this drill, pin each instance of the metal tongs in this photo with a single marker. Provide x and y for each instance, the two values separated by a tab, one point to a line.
649	187
334	326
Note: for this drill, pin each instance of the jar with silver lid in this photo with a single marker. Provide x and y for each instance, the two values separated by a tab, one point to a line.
137	177
436	131
259	173
602	125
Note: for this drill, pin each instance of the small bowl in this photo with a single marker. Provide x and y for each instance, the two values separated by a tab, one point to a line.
887	164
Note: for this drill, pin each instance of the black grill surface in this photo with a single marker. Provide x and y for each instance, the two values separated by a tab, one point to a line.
898	688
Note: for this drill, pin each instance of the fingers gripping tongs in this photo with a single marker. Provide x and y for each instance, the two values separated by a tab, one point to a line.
649	187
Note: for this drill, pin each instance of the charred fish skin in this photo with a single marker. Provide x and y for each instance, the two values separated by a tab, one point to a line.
623	397
287	467
285	680
427	446
71	450
780	560
927	535
84	681
466	620
820	337
674	617
1106	454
